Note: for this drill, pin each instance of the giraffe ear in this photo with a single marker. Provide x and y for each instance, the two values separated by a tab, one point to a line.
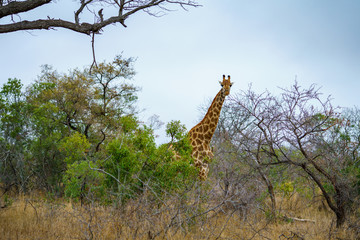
221	83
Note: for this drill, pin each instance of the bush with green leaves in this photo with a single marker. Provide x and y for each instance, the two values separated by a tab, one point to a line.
82	181
14	137
179	138
74	147
139	165
64	121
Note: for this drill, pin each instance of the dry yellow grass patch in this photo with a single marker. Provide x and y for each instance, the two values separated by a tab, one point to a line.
39	219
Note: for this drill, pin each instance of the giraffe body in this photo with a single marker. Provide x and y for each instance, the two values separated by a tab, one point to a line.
201	134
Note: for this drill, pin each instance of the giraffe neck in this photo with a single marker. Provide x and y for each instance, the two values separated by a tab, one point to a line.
211	118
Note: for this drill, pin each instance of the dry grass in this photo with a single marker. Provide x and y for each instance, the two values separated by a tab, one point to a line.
41	219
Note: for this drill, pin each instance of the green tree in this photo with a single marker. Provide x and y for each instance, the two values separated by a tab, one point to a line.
89	103
180	141
82	183
78	134
74	147
175	130
137	166
14	136
46	129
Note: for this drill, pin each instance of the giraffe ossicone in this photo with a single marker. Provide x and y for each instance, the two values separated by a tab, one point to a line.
200	135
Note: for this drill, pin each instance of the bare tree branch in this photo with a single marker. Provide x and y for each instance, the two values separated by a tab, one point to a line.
83	5
293	129
95	7
19	7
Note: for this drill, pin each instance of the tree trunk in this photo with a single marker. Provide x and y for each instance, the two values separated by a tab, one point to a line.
340	217
336	204
270	191
340	210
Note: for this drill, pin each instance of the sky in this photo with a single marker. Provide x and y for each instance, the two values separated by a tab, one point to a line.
181	56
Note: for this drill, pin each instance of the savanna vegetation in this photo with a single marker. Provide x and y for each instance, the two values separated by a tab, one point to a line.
76	162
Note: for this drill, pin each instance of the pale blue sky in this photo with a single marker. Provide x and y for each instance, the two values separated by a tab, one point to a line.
181	56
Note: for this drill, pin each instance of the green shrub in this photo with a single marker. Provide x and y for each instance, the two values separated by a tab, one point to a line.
81	181
74	147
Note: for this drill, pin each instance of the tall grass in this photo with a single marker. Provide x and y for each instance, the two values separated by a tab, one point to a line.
38	218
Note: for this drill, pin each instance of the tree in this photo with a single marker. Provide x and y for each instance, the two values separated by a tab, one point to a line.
292	130
239	137
38	125
135	165
91	103
340	147
14	131
104	13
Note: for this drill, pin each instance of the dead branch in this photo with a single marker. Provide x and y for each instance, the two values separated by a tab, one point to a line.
125	10
298	219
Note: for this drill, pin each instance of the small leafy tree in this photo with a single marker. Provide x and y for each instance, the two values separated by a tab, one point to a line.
137	166
47	128
74	147
14	136
175	130
89	103
82	183
179	138
48	162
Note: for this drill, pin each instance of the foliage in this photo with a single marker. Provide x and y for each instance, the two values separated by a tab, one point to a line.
48	162
78	135
13	108
59	118
89	103
74	147
138	165
179	138
175	130
287	188
80	181
14	133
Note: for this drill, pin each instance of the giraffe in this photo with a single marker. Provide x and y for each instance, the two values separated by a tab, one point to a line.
200	135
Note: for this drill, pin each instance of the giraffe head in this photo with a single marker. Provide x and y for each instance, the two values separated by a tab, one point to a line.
226	85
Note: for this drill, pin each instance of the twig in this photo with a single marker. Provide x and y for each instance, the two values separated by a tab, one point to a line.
298	219
37	217
93	52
